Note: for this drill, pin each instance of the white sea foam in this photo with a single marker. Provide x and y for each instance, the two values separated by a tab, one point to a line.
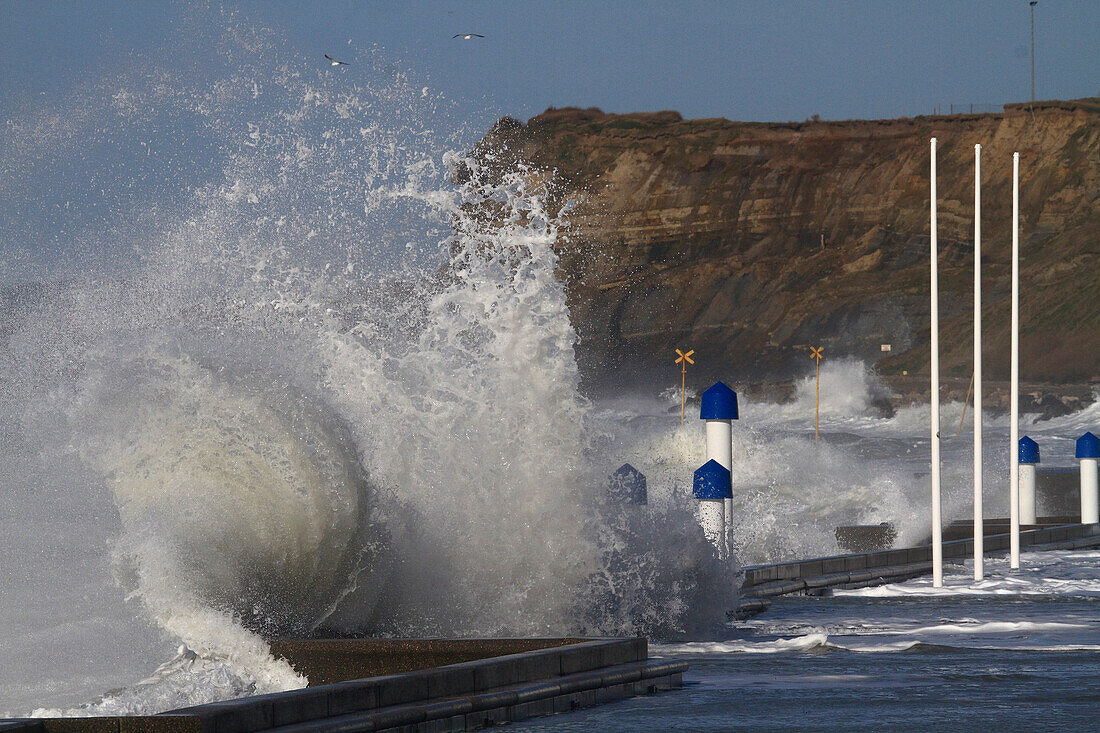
871	647
802	643
996	627
823	642
1061	573
1010	611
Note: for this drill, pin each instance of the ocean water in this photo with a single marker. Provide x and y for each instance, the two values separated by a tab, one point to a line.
1017	651
271	372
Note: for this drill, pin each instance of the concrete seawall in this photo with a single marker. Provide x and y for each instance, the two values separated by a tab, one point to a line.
890	566
546	676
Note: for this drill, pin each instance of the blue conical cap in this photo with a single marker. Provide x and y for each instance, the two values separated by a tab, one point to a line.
713	482
1088	446
1029	450
719	403
628	484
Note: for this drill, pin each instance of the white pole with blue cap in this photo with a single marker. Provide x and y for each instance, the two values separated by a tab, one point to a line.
1028	458
712	487
1088	452
719	409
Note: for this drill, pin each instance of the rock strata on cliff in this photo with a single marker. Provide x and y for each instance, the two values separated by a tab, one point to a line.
750	242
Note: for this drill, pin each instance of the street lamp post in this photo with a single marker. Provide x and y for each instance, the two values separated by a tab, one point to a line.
1033	3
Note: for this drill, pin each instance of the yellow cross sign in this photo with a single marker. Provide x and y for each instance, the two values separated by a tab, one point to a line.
815	353
685	357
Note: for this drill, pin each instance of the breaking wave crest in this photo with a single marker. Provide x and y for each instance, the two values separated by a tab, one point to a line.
325	389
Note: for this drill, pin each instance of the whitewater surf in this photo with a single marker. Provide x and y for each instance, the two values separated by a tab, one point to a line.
299	384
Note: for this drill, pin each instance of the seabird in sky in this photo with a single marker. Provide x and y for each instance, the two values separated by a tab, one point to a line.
335	62
467	36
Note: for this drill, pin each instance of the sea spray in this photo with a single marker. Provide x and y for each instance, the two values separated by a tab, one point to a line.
487	436
313	386
789	493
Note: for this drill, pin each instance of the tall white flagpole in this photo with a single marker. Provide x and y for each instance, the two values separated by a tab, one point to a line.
1014	397
979	526
934	399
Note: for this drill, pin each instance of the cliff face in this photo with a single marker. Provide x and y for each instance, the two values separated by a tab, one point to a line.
751	242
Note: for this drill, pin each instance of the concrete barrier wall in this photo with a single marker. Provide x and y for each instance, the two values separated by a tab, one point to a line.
457	697
1058	491
962	529
875	568
324	661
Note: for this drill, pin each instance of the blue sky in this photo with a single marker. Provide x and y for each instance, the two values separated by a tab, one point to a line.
96	159
777	60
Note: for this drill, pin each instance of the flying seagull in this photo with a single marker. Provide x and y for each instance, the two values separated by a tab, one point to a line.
467	36
335	62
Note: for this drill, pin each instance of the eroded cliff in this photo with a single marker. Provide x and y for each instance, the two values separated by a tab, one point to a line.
750	242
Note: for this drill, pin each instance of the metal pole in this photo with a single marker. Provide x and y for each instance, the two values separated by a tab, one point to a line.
683	388
979	528
966	401
817	398
1014	397
815	354
937	536
683	359
1033	3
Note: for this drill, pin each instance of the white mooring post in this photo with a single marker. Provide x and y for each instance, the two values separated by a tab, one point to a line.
1014	379
979	526
1088	452
934	397
1028	458
719	409
712	486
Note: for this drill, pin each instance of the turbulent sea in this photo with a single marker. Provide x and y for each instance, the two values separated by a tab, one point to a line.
1018	651
266	371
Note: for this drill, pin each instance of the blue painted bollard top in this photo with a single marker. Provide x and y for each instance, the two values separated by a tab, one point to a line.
713	482
1088	446
719	403
1029	450
628	485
